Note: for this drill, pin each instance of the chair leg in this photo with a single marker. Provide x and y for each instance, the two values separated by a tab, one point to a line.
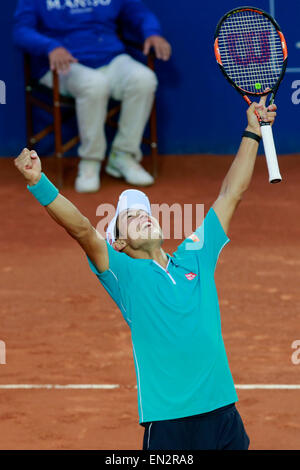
29	120
28	102
153	122
153	141
57	131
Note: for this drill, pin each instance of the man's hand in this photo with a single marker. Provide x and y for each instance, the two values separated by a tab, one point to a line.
60	60
29	164
267	114
161	47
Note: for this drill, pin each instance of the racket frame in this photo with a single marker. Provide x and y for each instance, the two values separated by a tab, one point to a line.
283	44
274	174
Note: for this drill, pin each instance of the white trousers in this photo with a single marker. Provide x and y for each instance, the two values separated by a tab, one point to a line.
124	79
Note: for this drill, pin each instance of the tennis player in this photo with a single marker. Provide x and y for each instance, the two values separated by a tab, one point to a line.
186	394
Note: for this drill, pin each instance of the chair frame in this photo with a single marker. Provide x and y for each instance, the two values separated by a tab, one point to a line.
62	108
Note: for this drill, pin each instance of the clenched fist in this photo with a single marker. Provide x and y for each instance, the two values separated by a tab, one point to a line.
29	164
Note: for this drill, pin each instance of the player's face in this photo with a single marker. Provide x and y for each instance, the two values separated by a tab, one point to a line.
139	228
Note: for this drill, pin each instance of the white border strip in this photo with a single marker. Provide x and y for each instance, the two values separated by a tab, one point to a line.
272	7
272	13
293	70
115	386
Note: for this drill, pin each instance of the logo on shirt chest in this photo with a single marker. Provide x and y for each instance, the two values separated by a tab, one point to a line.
190	276
76	4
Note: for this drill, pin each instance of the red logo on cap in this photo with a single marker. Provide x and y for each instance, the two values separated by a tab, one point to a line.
190	276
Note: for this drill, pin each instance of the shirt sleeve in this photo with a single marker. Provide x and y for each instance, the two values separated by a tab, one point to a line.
115	279
136	15
207	241
25	30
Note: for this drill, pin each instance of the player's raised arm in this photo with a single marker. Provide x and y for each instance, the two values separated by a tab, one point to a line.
62	210
240	173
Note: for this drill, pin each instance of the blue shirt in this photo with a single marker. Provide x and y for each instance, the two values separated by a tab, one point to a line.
86	28
174	317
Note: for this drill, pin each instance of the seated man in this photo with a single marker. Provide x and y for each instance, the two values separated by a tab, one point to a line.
79	39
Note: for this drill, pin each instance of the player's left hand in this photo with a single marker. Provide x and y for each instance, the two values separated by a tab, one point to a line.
268	114
160	45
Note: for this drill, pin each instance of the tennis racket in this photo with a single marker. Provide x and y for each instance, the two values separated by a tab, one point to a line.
251	51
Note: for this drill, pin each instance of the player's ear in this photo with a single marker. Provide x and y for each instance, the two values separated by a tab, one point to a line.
119	245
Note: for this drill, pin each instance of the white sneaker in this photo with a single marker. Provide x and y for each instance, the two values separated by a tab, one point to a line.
122	164
88	178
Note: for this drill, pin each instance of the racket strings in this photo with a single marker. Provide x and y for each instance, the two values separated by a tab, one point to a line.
251	51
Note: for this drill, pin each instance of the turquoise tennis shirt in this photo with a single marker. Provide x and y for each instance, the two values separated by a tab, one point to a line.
180	360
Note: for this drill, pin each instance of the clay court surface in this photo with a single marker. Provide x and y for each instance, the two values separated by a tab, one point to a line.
60	326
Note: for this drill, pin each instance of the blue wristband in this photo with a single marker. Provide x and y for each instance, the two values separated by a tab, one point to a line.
44	191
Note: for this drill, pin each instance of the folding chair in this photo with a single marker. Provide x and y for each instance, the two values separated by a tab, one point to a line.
62	108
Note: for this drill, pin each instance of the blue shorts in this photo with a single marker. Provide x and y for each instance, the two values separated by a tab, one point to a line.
221	429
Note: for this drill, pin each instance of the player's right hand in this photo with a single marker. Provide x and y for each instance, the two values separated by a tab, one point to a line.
29	164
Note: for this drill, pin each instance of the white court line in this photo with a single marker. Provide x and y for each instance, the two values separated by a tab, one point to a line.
114	386
59	387
268	387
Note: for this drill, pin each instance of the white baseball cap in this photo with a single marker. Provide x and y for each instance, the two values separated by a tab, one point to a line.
129	199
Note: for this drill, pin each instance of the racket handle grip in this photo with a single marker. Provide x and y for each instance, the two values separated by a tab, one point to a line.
270	153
